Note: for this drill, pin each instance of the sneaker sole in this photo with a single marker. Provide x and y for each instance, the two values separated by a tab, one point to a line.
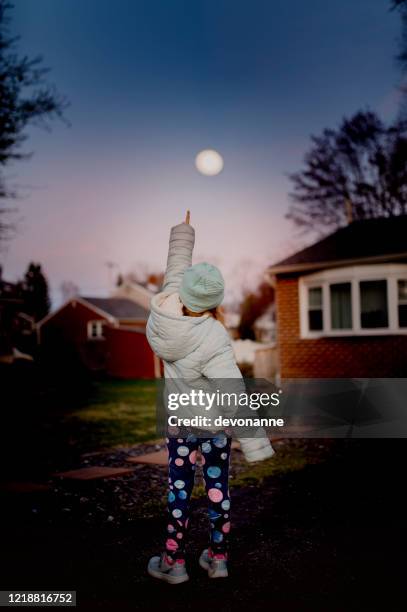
219	574
166	577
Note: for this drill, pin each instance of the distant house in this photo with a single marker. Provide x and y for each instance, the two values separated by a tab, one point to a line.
265	326
342	303
105	335
231	321
135	292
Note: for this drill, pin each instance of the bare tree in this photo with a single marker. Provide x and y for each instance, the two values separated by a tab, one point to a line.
355	172
401	6
25	99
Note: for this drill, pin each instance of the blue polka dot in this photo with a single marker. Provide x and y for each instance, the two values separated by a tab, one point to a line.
182	494
225	504
224	456
171	497
180	484
206	447
218	485
217	536
220	441
183	451
177	513
191	438
214	471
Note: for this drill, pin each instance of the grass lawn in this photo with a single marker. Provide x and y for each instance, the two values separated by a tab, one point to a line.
47	426
115	413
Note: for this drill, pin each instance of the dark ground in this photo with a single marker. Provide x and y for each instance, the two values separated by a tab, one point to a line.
323	533
326	537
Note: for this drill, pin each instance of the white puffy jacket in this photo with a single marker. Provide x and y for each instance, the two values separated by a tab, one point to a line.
192	347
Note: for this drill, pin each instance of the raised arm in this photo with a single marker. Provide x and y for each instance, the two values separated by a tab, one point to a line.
182	240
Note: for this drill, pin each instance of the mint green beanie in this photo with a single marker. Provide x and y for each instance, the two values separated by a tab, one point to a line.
202	287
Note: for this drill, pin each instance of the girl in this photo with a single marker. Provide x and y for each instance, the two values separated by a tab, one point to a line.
185	330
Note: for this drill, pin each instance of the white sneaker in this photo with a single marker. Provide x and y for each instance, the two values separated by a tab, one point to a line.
216	568
173	573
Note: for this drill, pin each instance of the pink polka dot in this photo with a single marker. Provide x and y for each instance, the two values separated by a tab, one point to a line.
215	495
202	460
226	527
186	522
179	461
192	456
180	440
179	536
171	544
170	528
179	523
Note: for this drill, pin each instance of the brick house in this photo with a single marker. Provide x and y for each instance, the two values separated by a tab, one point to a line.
342	303
103	335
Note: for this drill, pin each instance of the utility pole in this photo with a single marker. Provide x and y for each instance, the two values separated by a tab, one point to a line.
110	265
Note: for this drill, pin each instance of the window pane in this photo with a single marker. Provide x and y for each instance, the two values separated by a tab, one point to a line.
373	304
341	306
315	320
402	287
402	315
315	297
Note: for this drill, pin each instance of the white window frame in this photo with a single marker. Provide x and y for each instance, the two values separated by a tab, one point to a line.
400	302
99	326
353	275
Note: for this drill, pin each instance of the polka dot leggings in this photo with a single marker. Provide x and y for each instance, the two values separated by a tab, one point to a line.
215	460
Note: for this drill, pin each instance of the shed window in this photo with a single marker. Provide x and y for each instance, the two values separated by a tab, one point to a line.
95	330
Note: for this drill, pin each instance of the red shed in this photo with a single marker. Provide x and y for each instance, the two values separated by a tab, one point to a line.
105	335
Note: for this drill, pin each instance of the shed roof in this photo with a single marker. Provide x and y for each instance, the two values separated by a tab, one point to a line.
120	308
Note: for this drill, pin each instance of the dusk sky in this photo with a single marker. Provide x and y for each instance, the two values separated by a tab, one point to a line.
153	82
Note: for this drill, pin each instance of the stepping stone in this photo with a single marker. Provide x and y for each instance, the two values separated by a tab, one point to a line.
24	487
161	457
94	472
157	458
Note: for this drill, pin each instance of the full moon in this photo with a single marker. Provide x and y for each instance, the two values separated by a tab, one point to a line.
209	162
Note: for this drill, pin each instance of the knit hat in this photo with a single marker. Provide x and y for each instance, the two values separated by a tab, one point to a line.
202	287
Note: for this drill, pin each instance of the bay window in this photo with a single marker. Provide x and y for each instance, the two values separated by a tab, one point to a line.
341	305
354	300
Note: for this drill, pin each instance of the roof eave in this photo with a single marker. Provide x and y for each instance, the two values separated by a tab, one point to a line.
305	267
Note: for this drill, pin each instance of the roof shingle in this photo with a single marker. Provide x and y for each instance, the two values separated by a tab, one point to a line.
120	308
358	240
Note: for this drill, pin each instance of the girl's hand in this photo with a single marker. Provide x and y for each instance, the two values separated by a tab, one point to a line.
187	217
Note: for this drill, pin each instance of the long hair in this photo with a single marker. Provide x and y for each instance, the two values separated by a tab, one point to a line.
217	313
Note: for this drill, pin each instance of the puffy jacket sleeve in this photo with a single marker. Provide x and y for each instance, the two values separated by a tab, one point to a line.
182	240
